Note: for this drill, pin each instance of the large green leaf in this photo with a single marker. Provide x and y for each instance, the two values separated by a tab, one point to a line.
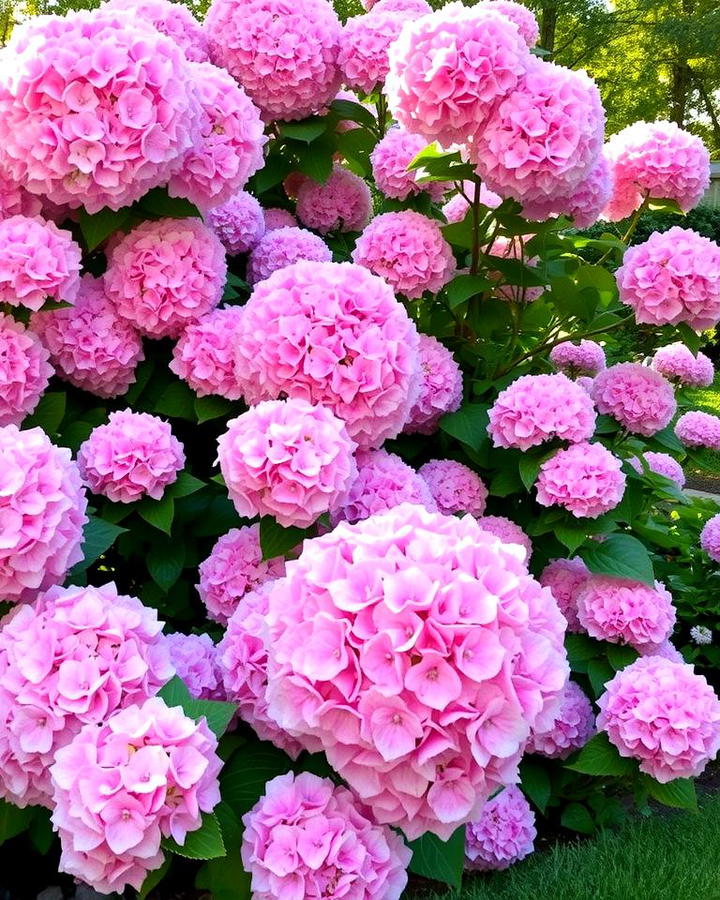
13	820
244	777
49	412
462	287
157	203
98	227
535	782
276	540
98	537
468	425
205	843
600	757
158	513
440	860
306	130
679	793
211	407
165	562
176	401
577	817
621	556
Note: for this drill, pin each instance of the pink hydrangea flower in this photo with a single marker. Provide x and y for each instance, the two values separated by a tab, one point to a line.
283	52
512	248
24	371
710	538
508	531
364	45
666	650
346	343
120	117
408	250
441	387
282	247
234	568
663	714
673	277
278	218
390	160
585	358
699	429
70	659
584	203
454	487
538	408
626	612
386	651
457	207
585	479
287	459
639	398
239	223
566	578
42	510
678	363
504	834
204	356
307	837
133	455
415	7
89	344
15	200
342	203
522	17
173	19
195	659
661	464
151	772
573	726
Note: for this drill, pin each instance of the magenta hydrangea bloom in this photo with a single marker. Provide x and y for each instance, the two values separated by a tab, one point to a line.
415	7
342	203
287	459
352	346
522	17
454	487
699	429
678	363
449	69
659	160
665	650
151	771
390	160
15	200
42	510
663	714
166	274
328	843
89	344
70	659
710	538
626	612
282	247
566	578
457	207
584	203
673	277
39	262
585	358
504	834
573	726
278	218
512	248
585	479
661	464
283	52
364	45
133	455
356	668
173	19
204	356
239	223
638	397
408	250
120	117
508	531
441	387
538	408
24	371
195	659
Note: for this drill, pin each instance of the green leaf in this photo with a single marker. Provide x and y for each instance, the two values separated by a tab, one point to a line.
668	439
440	860
211	407
679	793
599	671
600	757
570	535
205	843
660	205
462	287
316	160
177	401
275	170
350	111
620	655
49	412
535	782
306	131
165	562
153	878
98	537
157	203
580	648
99	226
41	832
576	817
528	468
621	556
158	513
244	777
216	712
13	821
468	425
225	878
185	485
276	540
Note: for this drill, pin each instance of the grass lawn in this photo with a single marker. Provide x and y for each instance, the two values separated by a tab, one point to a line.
707	399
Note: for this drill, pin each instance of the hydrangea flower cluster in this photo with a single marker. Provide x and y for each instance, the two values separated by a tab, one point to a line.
342	203
15	200
504	834
586	479
638	397
172	19
699	429
441	387
454	487
678	363
24	371
457	207
584	203
364	45
390	160
239	223
573	726
204	356
710	538
282	247
522	17
566	578
275	217
195	659
508	531
626	612
661	464
586	358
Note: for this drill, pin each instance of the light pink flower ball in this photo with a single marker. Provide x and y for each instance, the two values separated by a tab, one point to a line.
204	356
658	160
235	568
16	200
342	203
282	247
626	612
239	223
678	363
638	397
90	345
390	650
278	218
415	7
522	17
585	358
96	109
666	650
42	510
504	834
661	464
710	538
441	387
457	207
584	203
151	772
454	487
566	578
585	479
334	334
133	455
673	277
287	459
508	531
70	659
663	714
195	659
24	371
364	45
173	19
449	69
573	726
538	408
39	262
512	248
283	52
699	429
390	160
328	844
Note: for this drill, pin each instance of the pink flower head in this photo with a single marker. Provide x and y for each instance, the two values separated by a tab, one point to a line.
663	714
204	356
417	652
305	837
148	772
390	160
454	487
504	834
195	659
566	578
282	247
283	52
449	69
538	408
97	108
441	387
42	513
39	262
239	223
24	371
661	464
626	612
658	160
585	358
457	207
364	46
508	531
15	200
234	568
699	429
70	659
585	479
414	7
342	203
673	277
333	334
639	398
678	363
173	19
666	650
584	203
573	726
408	250
89	344
287	459
522	17
512	248
133	455
710	538
278	218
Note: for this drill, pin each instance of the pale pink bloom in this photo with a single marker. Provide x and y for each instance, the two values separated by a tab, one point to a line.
364	45
173	19
572	728
586	358
390	160
678	363
710	538
454	487
239	223
275	217
585	479
584	203
24	371
566	578
196	660
342	203
661	464
699	429
504	834
508	531
626	612
638	397
666	650
282	247
522	17
16	200
441	387
204	356
414	7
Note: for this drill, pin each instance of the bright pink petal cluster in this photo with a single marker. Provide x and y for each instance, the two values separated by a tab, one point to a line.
638	397
133	455
584	203
239	223
573	726
661	464
512	248
508	531
417	652
307	837
457	207
195	659
585	479
678	363
710	538
390	160
454	487
275	217
626	612
666	650
15	200
441	387
364	45
287	459
42	510
70	659
522	17
342	203
504	834
282	247
585	358
663	714
24	371
566	578
173	19
204	356
415	7
147	773
699	429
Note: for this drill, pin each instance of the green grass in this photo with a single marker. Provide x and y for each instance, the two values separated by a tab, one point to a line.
707	399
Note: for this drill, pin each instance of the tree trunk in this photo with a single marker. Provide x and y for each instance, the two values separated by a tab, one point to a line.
548	26
681	79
